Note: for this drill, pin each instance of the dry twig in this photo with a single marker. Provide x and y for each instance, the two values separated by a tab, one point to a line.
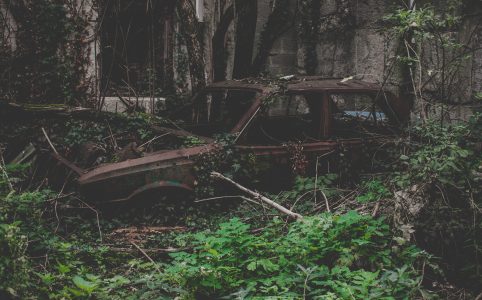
50	142
147	256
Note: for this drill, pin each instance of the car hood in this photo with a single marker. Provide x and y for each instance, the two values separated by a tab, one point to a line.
154	160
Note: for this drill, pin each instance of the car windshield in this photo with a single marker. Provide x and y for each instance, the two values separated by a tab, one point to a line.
284	119
216	113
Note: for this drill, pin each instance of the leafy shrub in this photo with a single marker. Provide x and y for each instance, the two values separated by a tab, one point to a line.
14	266
375	191
443	164
345	257
442	154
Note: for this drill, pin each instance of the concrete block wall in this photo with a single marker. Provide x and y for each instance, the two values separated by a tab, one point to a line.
362	50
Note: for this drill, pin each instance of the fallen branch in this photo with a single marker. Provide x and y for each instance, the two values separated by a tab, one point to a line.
5	174
227	197
96	214
258	196
50	143
147	256
148	250
326	201
375	210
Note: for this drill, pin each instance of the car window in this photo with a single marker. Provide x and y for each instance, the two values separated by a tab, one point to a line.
360	106
218	112
356	115
286	118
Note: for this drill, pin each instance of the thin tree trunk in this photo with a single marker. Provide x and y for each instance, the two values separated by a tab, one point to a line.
219	45
191	31
247	12
279	21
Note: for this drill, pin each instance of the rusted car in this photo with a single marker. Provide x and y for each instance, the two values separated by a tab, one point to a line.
321	115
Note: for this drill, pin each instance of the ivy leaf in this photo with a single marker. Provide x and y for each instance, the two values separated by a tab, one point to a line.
63	269
252	266
84	285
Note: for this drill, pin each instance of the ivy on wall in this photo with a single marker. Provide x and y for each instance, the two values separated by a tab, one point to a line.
49	60
315	25
279	21
309	32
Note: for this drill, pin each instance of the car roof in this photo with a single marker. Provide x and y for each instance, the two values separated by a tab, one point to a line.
312	84
298	85
396	108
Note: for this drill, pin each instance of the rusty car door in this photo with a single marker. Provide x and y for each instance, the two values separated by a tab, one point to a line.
286	137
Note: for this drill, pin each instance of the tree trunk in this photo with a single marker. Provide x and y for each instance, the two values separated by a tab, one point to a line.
219	45
247	12
191	31
279	21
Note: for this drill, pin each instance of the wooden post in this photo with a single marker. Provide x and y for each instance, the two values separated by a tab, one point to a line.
326	116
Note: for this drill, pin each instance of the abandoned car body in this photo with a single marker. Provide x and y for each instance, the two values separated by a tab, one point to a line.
318	114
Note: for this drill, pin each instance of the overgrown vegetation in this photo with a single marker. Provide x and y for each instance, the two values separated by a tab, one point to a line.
441	169
323	256
433	55
56	246
405	225
48	60
335	256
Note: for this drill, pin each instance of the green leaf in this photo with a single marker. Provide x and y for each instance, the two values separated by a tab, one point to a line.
63	269
84	285
251	266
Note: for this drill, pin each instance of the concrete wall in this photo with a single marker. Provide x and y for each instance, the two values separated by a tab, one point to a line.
358	48
8	33
365	52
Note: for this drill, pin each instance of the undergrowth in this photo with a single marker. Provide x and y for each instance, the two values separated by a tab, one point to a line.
52	252
56	246
325	257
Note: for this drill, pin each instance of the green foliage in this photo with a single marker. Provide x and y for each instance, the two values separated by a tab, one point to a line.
14	265
375	191
138	125
49	61
444	154
478	96
306	184
428	26
336	256
347	257
193	141
443	164
80	132
422	22
226	159
12	173
306	190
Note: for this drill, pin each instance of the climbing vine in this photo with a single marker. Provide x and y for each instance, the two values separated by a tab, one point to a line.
49	59
432	55
309	32
279	21
313	26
